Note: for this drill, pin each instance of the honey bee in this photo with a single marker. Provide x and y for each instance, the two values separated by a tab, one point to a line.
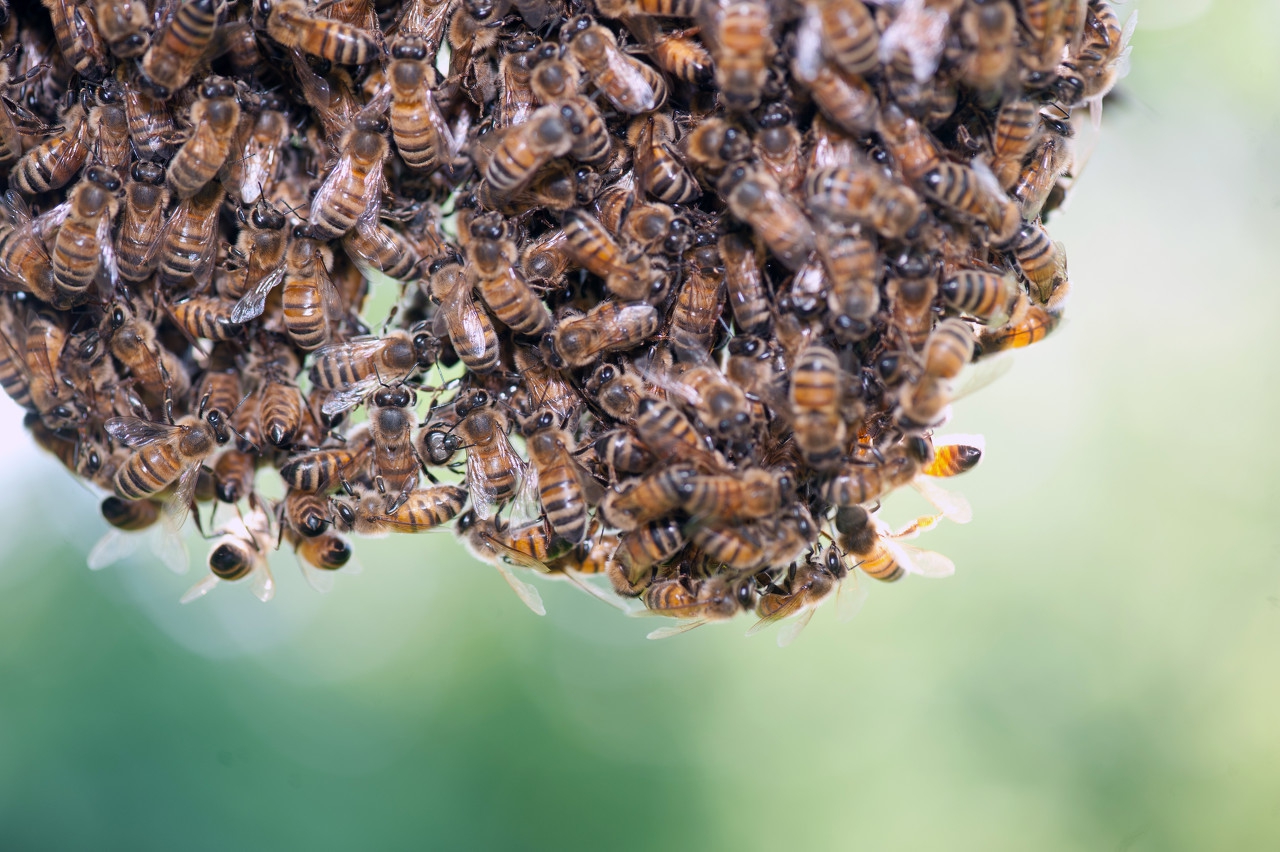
76	29
259	145
627	273
660	170
375	246
850	38
51	164
493	257
292	25
207	317
546	259
320	556
683	57
234	472
852	263
281	408
179	46
82	248
713	144
630	85
564	488
594	145
950	347
305	514
850	195
239	553
715	599
810	585
1028	323
151	126
699	302
983	295
321	470
745	284
123	26
391	425
214	118
777	147
1043	48
577	341
351	369
487	544
517	101
878	551
655	8
726	498
309	299
163	455
218	395
815	406
1041	260
109	127
466	323
189	241
353	189
755	198
521	151
959	454
1014	135
989	28
420	510
669	435
849	102
1049	159
422	135
639	550
622	452
740	34
496	474
649	498
36	356
1100	61
145	197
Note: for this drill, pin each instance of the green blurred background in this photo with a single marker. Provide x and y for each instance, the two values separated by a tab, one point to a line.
1100	674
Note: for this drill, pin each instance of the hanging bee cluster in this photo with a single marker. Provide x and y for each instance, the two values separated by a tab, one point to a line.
684	286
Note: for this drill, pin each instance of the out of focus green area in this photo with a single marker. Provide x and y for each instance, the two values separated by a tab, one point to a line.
1101	673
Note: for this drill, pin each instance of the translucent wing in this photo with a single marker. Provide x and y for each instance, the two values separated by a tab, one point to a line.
978	375
525	591
793	629
317	578
108	270
337	177
952	505
170	549
254	302
261	582
582	583
200	589
925	563
849	601
676	629
135	432
114	546
793	605
178	506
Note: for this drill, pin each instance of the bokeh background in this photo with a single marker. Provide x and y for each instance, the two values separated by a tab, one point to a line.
1100	674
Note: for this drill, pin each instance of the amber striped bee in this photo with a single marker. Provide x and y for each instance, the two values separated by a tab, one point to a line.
54	162
214	119
163	455
178	46
422	136
629	84
350	370
292	24
420	510
353	189
565	489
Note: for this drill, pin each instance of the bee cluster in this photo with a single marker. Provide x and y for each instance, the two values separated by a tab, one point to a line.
684	285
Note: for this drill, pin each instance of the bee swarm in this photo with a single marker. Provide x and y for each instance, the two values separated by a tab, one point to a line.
684	286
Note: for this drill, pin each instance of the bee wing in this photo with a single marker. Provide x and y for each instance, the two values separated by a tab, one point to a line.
108	270
324	195
849	601
791	631
46	223
349	397
262	584
178	506
200	589
135	432
675	629
170	549
925	563
978	375
792	607
504	552
329	296
252	304
320	580
526	592
581	582
952	505
114	546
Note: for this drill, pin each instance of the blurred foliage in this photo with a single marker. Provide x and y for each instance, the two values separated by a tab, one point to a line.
1100	674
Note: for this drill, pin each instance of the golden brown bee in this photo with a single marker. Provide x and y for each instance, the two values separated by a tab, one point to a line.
1017	126
716	599
1049	159
865	480
189	240
353	189
392	423
151	126
234	474
207	317
911	302
627	272
138	236
639	501
683	57
214	118
669	435
852	263
257	153
51	164
724	498
1028	323
163	454
517	101
644	547
179	46
740	34
495	472
577	341
594	145
497	547
521	151
546	259
656	8
745	283
879	555
350	370
623	453
217	395
375	246
1099	62
1041	260
39	353
493	257
309	298
563	486
422	135
109	127
305	514
815	406
713	144
130	515
124	25
741	548
630	85
811	584
950	347
326	552
989	28
850	38
461	318
1044	21
754	197
324	470
955	457
132	341
239	553
983	295
849	102
82	247
660	170
281	408
699	302
849	194
291	24
76	29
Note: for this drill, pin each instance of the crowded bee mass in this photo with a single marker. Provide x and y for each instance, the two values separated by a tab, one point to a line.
661	298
